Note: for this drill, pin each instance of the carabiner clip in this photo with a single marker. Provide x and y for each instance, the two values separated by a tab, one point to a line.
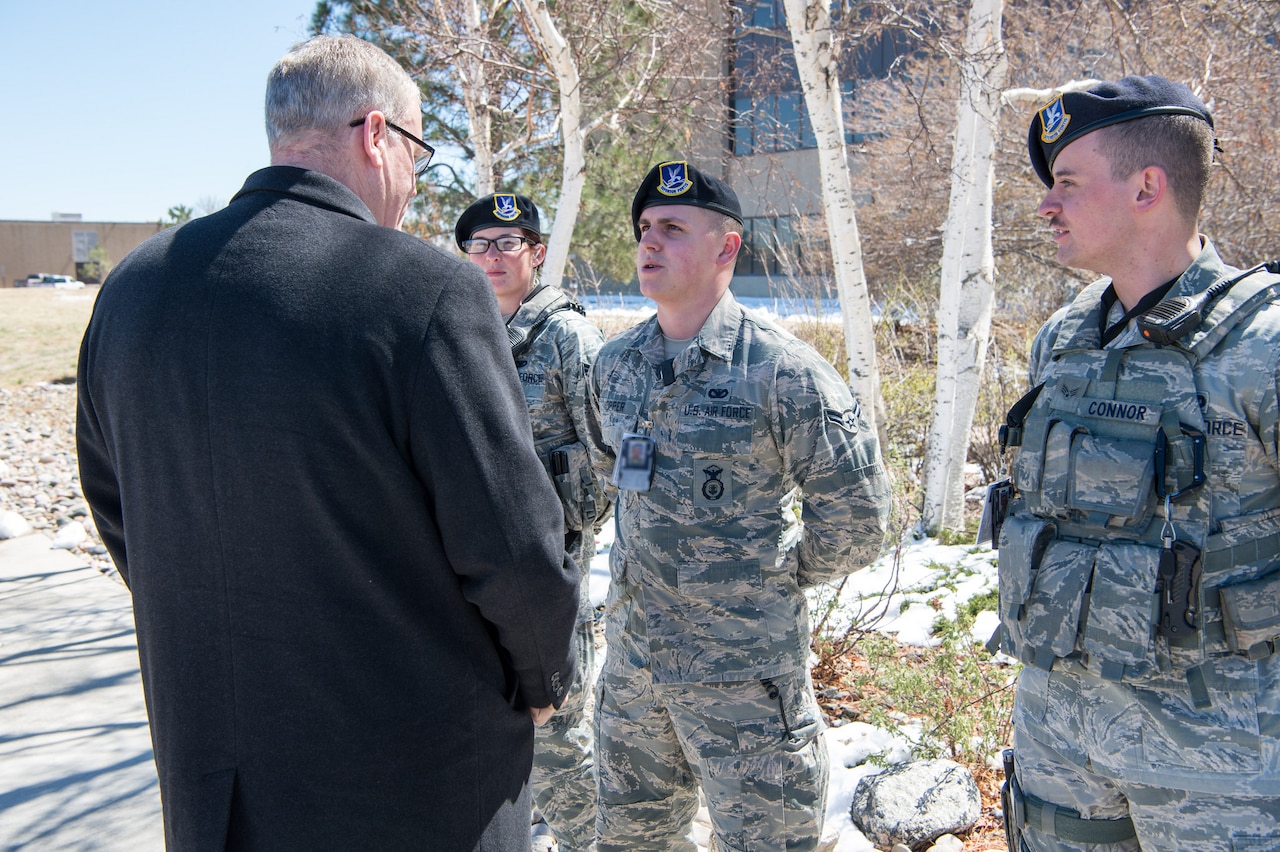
1198	477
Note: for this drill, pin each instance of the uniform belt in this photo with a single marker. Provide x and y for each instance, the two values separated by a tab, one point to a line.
1066	824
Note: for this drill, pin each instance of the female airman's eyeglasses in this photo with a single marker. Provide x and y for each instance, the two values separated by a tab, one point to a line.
508	244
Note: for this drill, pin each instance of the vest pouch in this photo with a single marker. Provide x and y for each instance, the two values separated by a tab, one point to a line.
1051	618
1120	626
1023	539
1251	615
574	478
1114	477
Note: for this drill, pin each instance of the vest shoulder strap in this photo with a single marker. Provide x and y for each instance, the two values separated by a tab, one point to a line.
1244	294
534	311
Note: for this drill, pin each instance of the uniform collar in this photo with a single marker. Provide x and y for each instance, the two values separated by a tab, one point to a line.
1080	324
716	337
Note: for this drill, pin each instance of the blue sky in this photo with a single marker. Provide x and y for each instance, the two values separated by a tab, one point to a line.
119	111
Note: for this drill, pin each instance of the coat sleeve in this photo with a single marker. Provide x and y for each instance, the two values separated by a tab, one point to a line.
832	453
98	479
499	517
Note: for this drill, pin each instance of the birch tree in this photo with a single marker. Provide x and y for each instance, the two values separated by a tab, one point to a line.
481	79
816	57
574	126
968	269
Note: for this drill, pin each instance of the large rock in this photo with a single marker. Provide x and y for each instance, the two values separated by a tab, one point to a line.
13	525
916	803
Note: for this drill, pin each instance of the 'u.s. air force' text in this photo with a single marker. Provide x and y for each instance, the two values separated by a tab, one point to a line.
706	409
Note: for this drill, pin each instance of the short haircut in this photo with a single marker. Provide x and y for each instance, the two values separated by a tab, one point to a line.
326	82
724	223
1181	145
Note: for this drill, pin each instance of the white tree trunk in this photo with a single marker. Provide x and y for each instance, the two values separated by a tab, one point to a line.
476	96
574	171
968	270
809	22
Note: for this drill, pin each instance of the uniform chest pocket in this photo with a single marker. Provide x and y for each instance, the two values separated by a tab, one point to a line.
1089	473
618	415
706	436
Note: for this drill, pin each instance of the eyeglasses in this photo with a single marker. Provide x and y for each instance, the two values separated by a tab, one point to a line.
420	163
507	244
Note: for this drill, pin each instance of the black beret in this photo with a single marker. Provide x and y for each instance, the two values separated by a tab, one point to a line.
1073	114
501	208
677	182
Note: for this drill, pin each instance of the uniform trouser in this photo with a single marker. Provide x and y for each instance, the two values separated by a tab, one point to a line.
762	764
563	780
1164	818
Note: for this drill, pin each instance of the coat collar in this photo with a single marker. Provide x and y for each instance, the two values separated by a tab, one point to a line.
309	187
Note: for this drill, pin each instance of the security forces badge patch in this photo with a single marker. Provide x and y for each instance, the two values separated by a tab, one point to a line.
675	179
713	488
1053	120
505	207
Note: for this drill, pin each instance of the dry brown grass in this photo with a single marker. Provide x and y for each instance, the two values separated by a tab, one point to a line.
40	331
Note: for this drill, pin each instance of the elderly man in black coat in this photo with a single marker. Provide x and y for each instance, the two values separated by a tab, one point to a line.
304	443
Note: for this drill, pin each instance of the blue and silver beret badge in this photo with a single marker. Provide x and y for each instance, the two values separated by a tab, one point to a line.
674	179
505	208
1053	121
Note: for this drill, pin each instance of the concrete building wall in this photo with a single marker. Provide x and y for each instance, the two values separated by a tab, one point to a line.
28	247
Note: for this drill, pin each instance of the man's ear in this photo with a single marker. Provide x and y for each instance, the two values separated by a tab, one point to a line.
1151	185
729	248
373	133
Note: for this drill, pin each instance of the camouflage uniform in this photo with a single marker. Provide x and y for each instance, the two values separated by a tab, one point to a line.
553	366
1117	719
767	480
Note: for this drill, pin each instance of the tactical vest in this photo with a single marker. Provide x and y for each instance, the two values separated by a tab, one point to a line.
1107	556
565	458
535	310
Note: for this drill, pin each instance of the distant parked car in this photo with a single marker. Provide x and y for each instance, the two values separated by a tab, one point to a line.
62	282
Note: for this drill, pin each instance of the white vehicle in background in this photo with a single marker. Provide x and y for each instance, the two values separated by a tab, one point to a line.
62	282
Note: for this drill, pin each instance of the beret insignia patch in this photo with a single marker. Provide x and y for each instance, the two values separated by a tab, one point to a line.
675	180
1053	120
505	207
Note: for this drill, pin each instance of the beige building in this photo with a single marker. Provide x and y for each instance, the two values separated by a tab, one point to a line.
62	247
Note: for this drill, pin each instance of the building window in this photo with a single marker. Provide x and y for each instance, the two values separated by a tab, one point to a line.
767	104
784	247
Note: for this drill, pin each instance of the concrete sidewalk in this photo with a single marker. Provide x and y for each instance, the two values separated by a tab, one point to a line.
76	770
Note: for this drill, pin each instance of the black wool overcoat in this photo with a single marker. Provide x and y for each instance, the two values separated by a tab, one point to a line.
303	441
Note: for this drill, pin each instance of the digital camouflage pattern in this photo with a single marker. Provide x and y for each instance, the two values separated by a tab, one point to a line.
553	370
1165	817
756	434
563	778
765	780
1119	704
767	480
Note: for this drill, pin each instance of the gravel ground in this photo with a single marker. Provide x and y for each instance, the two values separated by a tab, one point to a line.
38	475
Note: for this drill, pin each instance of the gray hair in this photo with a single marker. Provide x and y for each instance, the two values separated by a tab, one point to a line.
326	82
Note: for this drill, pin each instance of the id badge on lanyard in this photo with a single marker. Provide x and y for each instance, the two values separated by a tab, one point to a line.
633	470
